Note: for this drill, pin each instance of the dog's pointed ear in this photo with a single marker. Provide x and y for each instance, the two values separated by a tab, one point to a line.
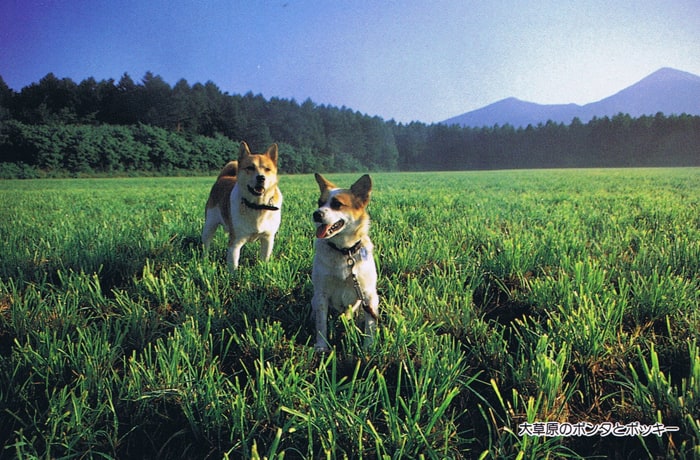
244	150
362	189
272	152
323	183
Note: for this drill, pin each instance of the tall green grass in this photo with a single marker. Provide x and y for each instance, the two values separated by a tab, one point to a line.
506	298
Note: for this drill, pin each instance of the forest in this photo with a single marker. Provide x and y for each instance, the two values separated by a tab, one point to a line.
57	127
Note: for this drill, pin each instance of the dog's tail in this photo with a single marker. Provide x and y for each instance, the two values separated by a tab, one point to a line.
230	170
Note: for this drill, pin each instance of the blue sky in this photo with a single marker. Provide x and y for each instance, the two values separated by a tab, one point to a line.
402	60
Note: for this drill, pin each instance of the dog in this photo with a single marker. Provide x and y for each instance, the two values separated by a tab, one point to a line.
344	273
247	202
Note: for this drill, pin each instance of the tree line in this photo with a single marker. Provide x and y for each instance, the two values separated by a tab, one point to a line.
620	141
57	126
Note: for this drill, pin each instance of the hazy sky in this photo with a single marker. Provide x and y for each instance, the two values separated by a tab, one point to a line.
404	60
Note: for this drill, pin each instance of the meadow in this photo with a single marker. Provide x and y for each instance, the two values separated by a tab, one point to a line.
524	314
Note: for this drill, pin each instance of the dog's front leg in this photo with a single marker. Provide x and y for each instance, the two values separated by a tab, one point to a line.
370	321
266	244
319	306
233	254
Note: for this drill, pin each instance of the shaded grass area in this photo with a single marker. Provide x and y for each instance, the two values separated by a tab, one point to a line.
507	298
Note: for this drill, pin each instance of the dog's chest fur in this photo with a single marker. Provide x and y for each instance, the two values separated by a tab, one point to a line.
253	222
332	274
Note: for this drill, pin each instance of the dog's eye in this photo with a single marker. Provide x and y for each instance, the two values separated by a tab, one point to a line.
267	170
320	203
336	204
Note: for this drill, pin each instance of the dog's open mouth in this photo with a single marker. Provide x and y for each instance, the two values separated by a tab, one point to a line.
326	231
258	190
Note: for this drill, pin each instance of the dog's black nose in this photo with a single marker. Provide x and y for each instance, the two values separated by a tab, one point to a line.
260	178
318	216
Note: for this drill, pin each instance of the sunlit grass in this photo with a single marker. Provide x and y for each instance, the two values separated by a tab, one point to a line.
506	297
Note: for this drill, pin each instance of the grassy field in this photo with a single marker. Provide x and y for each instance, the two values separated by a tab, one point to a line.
524	314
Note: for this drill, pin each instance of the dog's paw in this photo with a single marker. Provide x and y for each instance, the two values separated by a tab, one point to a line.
321	348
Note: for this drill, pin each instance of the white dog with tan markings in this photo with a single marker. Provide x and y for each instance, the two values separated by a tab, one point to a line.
247	202
344	274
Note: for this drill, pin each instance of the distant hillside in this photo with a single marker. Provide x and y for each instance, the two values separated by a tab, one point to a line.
669	91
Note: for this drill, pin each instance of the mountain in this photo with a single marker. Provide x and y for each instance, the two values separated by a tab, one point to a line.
667	90
515	112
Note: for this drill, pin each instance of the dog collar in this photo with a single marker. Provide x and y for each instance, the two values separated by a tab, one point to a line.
260	207
346	251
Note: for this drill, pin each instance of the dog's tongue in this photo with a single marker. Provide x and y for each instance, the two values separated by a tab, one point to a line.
322	230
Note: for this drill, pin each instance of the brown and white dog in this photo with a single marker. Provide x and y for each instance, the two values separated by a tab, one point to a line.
344	274
246	200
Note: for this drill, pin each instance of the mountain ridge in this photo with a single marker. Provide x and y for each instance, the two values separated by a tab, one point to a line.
667	90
